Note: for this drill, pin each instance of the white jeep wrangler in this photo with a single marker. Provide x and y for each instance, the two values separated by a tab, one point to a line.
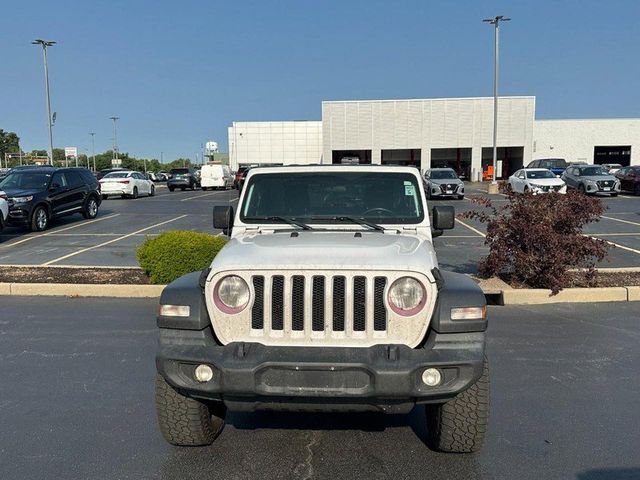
327	297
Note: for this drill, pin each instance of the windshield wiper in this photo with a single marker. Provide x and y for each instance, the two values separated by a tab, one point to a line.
288	220
359	221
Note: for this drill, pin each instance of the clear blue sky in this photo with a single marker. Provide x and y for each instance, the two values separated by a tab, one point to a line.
179	72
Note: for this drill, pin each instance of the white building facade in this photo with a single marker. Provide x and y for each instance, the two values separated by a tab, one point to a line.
428	133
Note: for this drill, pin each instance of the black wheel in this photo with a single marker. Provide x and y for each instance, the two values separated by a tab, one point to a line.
39	219
1	222
614	194
185	421
183	188
460	197
135	192
636	190
91	208
171	189
581	188
152	192
460	424
204	189
104	197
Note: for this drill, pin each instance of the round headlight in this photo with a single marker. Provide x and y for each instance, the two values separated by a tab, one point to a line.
231	294
407	296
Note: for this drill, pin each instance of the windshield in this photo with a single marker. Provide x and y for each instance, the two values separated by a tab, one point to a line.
443	174
25	181
556	163
540	174
326	197
179	171
116	175
592	171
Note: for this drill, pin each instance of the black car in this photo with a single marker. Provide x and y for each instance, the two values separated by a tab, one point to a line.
38	195
182	178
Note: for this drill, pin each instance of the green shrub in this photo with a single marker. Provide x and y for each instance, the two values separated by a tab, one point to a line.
173	254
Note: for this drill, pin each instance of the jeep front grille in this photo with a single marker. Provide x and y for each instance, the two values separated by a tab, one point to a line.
362	320
321	308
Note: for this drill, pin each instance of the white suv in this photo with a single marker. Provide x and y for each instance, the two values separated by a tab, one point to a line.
327	297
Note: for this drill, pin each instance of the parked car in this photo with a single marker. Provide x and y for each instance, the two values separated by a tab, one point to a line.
38	195
106	171
241	180
328	297
555	165
4	172
443	182
4	209
238	175
591	179
629	178
163	176
611	167
182	178
536	180
125	184
216	176
152	176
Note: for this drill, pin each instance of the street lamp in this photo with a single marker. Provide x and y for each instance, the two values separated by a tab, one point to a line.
45	44
93	149
115	138
495	21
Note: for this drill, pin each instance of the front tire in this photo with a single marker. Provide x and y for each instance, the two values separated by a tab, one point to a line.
91	208
581	189
171	189
459	425
460	197
185	421
104	197
152	191
39	219
135	192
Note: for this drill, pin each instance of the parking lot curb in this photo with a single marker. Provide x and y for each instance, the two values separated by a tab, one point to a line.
633	294
81	290
536	296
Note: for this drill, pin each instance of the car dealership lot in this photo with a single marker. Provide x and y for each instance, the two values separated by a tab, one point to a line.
80	404
122	225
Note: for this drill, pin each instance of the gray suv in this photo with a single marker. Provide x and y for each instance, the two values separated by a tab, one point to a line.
443	182
591	179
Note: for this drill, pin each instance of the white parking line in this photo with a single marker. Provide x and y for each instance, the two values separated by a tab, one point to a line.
203	195
635	234
470	227
64	257
617	245
620	220
51	232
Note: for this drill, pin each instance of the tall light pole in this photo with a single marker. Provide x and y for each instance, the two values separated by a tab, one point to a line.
45	44
115	139
495	21
93	149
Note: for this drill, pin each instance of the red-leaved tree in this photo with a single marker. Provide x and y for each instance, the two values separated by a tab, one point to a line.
536	239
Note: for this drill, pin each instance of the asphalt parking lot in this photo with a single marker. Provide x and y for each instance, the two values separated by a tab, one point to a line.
122	225
76	402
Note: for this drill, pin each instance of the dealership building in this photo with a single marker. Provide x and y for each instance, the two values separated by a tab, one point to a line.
429	133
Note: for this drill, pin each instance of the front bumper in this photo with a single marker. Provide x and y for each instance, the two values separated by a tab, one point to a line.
19	214
251	376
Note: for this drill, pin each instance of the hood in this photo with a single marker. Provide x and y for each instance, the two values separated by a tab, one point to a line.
445	181
20	192
599	178
327	251
545	181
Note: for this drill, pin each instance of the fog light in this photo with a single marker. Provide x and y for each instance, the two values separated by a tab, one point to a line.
431	377
203	373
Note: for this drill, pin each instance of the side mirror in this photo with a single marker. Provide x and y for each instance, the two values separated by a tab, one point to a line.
223	218
444	217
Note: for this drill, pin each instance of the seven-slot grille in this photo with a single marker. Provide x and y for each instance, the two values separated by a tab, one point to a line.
343	304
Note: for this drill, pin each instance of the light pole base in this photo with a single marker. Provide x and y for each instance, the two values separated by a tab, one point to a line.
493	188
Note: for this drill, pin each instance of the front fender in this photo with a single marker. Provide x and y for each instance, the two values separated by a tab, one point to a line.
186	290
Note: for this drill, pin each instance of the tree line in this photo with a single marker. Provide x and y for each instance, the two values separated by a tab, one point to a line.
10	143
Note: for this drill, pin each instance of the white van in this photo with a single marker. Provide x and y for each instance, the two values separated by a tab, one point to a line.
216	176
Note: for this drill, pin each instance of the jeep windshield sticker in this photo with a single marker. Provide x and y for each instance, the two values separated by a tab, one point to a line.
409	191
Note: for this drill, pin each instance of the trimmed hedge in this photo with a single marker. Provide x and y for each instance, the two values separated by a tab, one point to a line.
173	254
